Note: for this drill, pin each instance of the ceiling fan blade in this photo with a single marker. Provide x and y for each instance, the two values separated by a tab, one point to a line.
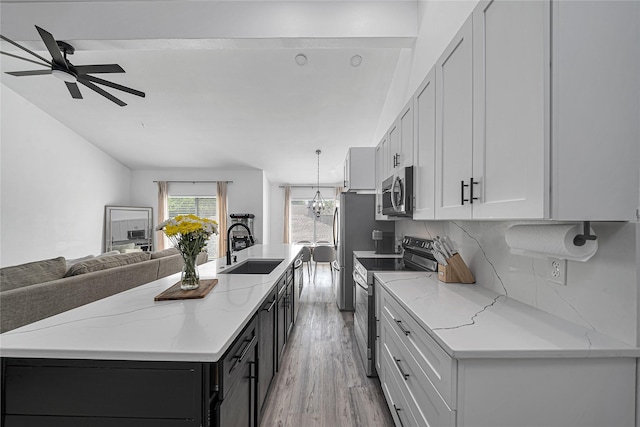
111	84
29	73
25	49
24	59
52	47
102	68
101	92
74	90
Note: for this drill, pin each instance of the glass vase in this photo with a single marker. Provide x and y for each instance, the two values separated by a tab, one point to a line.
190	278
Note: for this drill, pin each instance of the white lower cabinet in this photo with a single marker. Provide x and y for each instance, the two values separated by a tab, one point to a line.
424	386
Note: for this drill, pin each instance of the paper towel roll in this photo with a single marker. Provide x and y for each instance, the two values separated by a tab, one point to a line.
554	240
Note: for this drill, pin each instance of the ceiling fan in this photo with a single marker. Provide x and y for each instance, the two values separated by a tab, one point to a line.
71	74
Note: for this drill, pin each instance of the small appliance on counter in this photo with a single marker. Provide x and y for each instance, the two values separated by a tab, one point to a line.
384	241
239	236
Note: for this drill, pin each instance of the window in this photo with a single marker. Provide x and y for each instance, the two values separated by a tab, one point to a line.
306	226
202	206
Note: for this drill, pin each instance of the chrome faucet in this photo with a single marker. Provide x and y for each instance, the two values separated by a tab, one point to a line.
229	239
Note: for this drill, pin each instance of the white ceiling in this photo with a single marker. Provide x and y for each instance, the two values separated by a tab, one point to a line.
222	86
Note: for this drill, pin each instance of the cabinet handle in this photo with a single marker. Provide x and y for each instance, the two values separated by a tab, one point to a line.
399	323
471	184
244	352
405	375
462	199
395	408
253	375
273	303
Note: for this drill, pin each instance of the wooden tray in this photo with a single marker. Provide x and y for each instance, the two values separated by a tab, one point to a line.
175	292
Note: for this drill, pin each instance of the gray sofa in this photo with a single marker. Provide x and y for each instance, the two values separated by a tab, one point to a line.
34	291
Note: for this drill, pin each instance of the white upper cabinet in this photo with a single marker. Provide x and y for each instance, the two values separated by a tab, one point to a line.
454	124
406	124
393	148
595	100
424	151
509	93
360	169
537	118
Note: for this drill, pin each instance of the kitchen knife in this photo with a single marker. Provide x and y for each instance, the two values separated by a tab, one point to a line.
438	244
449	245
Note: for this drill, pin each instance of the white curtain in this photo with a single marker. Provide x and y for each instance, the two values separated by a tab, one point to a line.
163	212
222	217
287	214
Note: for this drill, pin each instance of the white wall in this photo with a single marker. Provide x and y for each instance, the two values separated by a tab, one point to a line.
276	209
600	294
266	210
54	186
245	194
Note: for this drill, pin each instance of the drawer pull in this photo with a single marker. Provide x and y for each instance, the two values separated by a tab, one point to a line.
405	375
270	306
246	349
243	353
395	408
399	323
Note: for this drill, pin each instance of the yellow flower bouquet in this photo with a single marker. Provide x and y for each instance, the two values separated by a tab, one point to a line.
189	234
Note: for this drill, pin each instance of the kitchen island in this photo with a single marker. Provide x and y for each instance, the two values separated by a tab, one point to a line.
129	360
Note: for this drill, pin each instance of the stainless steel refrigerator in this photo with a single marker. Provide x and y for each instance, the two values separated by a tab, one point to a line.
353	223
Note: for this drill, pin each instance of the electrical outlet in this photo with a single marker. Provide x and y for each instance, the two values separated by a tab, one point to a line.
557	271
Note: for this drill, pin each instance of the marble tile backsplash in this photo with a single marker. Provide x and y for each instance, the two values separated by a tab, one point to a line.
600	294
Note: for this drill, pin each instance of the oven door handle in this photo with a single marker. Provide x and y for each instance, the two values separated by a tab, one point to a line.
360	281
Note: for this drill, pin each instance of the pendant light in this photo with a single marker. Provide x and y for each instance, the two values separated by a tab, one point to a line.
318	205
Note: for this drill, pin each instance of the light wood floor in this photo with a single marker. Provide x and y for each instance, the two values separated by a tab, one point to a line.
321	380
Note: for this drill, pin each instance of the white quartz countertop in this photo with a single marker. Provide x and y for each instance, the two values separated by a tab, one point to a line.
469	321
132	326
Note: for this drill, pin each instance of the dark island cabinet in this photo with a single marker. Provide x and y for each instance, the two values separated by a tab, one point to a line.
267	320
237	388
60	392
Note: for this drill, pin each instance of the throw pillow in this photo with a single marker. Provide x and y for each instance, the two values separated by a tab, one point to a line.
109	253
106	262
122	247
32	273
165	253
71	262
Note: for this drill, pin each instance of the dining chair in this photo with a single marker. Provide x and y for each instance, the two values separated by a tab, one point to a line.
323	254
306	258
306	254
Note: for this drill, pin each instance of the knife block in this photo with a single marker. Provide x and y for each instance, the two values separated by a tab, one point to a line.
455	272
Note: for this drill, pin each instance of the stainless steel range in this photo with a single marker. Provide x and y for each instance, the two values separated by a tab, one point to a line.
417	256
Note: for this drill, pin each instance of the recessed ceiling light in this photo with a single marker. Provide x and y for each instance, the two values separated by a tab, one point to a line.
356	60
301	59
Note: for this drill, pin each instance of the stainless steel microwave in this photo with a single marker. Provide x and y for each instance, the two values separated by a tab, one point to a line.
397	193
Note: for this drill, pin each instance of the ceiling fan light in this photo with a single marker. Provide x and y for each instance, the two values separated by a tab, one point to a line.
64	76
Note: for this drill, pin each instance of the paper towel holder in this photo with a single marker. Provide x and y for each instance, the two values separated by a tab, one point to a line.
581	239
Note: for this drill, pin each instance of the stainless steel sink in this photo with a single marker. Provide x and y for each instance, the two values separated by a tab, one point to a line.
253	266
